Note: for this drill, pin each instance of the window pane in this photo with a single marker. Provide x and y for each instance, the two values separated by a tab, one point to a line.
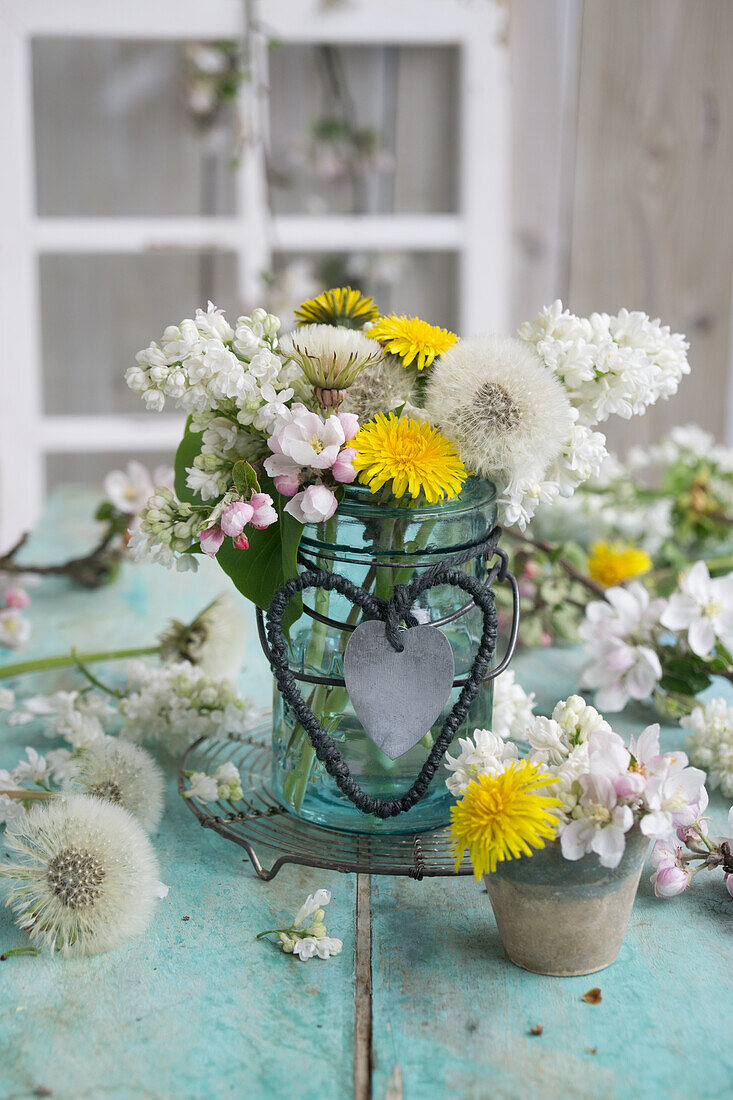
98	311
114	135
363	129
90	469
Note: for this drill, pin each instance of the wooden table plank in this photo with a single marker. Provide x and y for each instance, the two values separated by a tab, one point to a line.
195	1008
452	1016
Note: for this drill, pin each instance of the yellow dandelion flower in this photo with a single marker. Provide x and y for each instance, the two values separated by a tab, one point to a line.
411	455
338	306
412	339
612	563
503	817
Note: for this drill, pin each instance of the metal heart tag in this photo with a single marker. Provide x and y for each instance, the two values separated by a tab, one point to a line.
397	697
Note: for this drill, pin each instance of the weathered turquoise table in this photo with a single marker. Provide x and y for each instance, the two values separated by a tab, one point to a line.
421	1003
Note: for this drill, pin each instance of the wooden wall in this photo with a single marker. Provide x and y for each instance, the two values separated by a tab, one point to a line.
623	141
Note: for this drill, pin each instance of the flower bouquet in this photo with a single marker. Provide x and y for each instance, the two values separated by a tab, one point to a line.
584	806
371	448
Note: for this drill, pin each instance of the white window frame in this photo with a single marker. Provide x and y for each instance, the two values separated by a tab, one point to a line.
478	233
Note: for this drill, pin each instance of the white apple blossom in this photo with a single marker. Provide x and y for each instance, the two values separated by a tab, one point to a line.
35	769
619	635
7	699
15	629
129	489
675	795
703	607
599	824
315	504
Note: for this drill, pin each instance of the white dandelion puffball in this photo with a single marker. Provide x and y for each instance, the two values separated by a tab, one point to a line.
380	388
493	397
117	771
85	876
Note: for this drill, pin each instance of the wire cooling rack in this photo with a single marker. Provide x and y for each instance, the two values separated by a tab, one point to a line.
272	836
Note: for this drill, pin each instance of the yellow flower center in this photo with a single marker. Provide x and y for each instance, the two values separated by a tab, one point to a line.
316	444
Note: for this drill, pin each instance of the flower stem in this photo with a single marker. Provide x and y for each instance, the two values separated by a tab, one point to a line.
65	660
18	951
92	678
24	795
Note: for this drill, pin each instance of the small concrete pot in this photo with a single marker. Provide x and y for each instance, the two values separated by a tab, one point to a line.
562	917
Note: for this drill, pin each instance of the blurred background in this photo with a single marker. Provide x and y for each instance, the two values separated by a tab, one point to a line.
464	160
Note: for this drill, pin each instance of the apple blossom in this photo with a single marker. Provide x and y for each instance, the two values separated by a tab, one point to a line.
263	511
703	607
315	504
235	517
343	469
211	539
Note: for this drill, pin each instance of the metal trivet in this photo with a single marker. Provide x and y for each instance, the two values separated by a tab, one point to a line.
260	824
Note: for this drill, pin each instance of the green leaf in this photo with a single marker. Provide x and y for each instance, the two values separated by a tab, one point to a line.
251	479
240	478
690	671
188	448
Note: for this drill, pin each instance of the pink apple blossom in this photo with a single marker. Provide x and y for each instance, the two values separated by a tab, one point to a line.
350	424
343	468
17	598
287	484
211	539
235	517
263	511
669	880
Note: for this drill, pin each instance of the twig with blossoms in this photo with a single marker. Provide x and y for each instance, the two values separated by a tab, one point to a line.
674	858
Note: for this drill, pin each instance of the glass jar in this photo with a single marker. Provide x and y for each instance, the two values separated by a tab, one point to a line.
377	545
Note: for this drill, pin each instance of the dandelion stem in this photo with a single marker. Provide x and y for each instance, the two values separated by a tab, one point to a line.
18	951
24	795
92	678
66	660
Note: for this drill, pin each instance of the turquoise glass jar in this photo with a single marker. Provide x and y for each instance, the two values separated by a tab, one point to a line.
377	545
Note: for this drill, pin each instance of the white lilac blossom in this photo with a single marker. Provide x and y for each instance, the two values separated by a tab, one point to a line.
609	364
35	769
83	876
119	772
176	705
619	637
223	444
78	717
307	937
10	808
205	366
711	742
485	754
7	699
512	707
225	784
703	607
167	530
495	400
